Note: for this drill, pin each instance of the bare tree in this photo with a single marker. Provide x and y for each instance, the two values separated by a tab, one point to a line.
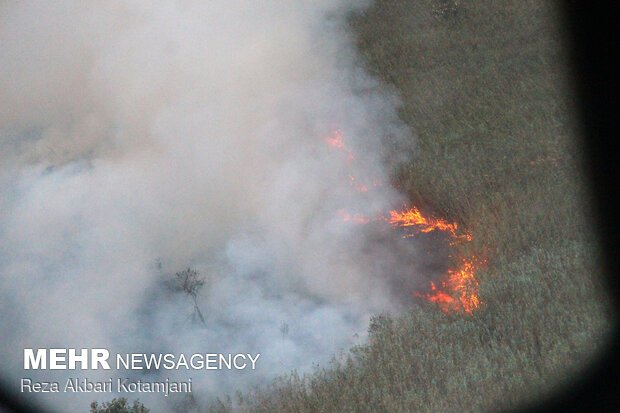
190	282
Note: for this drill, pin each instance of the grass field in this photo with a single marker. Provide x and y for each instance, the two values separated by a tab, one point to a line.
485	87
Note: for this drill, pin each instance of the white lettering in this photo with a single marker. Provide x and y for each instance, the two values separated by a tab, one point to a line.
253	360
40	361
100	356
235	361
82	358
57	355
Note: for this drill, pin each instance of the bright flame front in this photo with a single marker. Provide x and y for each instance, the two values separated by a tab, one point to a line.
459	290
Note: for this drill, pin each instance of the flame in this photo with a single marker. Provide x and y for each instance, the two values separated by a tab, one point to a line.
459	290
445	301
356	218
413	217
358	187
462	284
360	219
336	139
460	281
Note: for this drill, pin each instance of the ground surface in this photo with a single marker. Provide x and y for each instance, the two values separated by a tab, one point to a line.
485	89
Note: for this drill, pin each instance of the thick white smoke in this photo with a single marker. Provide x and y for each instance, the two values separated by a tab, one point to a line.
139	138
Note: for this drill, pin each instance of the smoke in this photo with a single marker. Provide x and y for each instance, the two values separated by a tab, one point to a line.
140	138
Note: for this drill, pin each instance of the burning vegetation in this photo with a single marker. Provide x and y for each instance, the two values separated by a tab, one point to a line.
458	290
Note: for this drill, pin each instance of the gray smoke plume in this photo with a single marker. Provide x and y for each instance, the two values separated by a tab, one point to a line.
140	138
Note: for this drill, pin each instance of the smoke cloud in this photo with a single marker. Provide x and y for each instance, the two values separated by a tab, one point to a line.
140	138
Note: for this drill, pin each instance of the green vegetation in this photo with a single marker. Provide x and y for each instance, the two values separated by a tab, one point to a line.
484	85
119	405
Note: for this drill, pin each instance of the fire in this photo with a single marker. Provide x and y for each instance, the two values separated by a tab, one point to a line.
462	284
459	290
358	187
413	217
460	281
336	139
445	301
357	218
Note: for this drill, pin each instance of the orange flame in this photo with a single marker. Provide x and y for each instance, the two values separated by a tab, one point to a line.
460	289
461	281
462	284
445	301
336	139
413	217
358	187
357	217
